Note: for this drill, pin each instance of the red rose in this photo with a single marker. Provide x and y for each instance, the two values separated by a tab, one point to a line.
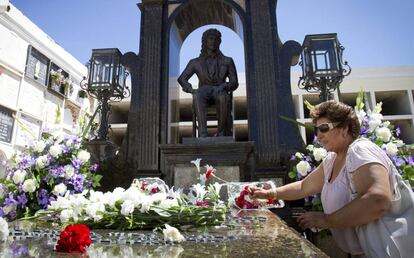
74	239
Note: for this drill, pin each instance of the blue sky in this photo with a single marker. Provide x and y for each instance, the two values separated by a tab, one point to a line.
374	33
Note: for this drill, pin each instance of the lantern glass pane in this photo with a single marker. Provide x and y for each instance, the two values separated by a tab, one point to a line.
102	71
324	57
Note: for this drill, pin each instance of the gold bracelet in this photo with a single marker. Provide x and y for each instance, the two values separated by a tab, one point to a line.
274	194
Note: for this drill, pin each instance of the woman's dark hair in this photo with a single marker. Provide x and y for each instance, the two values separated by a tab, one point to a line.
337	112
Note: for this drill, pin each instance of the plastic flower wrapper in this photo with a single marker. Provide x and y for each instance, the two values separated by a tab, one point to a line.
239	195
45	169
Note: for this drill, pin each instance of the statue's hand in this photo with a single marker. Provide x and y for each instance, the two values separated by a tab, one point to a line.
188	89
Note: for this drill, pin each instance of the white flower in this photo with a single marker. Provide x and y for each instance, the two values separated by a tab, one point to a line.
197	164
319	153
360	114
60	189
19	176
127	208
8	209
69	171
95	211
299	155
377	108
309	147
65	215
83	156
386	124
303	168
42	161
39	146
399	143
172	234
55	150
2	191
390	148
4	230
372	124
29	186
383	133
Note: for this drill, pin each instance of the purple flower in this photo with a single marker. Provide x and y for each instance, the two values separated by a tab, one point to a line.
22	200
410	161
19	250
43	198
397	131
76	163
94	167
10	200
293	157
77	182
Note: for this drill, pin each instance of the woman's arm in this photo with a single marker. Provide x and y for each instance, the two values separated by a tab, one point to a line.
310	185
374	198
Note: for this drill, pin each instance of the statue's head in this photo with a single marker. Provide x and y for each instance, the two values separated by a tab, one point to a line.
211	39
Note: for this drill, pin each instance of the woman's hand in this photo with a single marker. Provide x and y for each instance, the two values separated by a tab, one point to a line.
313	220
261	193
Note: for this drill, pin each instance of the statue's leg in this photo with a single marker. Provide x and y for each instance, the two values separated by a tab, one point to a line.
222	106
200	99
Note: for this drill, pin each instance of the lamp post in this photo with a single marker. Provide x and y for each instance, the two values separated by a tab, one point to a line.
322	65
106	82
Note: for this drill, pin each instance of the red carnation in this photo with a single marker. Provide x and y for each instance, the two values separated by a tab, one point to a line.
74	239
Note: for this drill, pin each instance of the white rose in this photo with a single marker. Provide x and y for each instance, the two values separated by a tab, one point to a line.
83	156
39	146
299	155
4	230
127	208
319	153
29	186
55	150
60	189
390	148
19	176
172	234
383	133
69	171
42	161
303	168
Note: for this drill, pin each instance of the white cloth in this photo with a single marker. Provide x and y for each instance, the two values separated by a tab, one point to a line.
337	194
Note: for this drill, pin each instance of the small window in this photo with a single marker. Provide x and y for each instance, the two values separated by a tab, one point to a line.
59	80
37	66
6	124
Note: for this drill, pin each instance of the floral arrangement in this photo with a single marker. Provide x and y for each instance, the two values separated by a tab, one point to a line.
46	170
57	78
146	204
382	133
73	239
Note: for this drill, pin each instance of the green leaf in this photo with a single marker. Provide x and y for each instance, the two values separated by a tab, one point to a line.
308	105
296	122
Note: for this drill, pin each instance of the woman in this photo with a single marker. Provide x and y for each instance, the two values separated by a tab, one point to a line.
338	128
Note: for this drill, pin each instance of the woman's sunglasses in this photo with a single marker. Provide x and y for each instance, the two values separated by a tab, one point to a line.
325	127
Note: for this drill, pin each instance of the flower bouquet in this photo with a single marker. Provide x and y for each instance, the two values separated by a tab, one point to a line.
238	194
46	170
147	204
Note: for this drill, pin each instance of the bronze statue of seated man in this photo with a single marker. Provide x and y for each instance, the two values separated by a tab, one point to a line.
212	69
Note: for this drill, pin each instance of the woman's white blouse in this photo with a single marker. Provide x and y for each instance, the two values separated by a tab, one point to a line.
337	193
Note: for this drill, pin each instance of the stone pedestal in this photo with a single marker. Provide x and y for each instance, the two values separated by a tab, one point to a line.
234	161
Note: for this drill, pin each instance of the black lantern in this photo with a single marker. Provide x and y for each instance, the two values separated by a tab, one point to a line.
106	83
322	66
